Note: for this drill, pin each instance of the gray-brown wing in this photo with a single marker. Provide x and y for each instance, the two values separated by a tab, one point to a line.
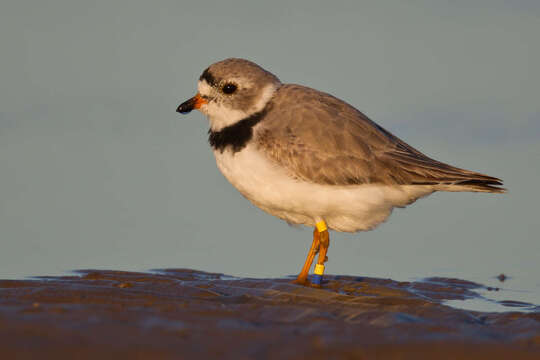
322	139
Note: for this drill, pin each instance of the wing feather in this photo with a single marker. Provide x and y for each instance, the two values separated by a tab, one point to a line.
321	139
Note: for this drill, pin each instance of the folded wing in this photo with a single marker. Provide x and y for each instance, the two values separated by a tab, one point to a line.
321	139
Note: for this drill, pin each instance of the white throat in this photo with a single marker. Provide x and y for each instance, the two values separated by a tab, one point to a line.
221	116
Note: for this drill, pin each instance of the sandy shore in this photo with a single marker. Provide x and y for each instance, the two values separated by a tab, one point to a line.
182	314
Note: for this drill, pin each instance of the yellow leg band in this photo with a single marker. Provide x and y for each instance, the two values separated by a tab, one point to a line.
319	269
321	226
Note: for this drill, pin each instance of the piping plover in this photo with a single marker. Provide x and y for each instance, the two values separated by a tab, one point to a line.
309	158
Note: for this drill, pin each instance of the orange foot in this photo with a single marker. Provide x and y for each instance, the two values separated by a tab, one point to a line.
303	282
306	282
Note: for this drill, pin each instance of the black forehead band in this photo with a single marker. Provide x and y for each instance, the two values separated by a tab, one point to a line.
208	77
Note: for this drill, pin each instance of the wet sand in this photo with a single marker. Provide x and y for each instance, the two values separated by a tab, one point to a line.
181	314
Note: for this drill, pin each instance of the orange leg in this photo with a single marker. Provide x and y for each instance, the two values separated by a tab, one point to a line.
325	244
302	277
321	242
324	239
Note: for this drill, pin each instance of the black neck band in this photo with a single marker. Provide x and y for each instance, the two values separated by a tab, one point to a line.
236	136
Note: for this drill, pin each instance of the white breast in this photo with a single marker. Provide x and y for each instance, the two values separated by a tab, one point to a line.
344	208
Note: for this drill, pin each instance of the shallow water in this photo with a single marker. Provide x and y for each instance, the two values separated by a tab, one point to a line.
162	313
501	293
98	171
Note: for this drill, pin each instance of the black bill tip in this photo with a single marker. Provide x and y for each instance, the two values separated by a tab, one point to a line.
187	106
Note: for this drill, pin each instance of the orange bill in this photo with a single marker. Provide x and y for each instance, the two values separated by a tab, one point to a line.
194	103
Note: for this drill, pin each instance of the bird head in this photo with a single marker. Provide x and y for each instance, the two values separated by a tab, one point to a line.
230	91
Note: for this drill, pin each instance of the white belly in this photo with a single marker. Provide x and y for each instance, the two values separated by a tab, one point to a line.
344	208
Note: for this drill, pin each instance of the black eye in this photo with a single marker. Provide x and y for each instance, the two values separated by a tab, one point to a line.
229	88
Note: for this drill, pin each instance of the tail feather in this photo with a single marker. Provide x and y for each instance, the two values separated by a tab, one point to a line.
422	170
492	185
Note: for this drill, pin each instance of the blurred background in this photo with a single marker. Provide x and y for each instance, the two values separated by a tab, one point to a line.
98	171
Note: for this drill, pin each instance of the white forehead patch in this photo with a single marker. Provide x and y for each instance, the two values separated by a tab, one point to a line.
204	88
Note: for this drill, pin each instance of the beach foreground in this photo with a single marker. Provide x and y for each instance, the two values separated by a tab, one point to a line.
181	313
